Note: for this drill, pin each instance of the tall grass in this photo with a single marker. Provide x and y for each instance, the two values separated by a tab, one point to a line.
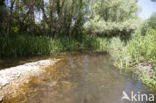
140	49
24	45
143	48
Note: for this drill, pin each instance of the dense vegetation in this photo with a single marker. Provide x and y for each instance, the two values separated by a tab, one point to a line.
138	55
26	45
44	17
48	27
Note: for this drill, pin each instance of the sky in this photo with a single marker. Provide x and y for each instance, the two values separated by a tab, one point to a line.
148	8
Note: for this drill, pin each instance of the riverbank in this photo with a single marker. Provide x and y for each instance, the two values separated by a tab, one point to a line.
136	55
12	78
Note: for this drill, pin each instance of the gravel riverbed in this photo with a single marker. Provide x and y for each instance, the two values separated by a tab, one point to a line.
12	78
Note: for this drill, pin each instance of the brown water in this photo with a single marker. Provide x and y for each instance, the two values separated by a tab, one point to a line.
81	78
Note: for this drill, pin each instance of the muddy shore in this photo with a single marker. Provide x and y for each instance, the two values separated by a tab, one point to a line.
12	78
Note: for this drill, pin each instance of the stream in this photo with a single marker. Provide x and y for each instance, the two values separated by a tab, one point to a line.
82	78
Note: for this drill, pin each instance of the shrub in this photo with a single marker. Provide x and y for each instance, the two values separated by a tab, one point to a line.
110	29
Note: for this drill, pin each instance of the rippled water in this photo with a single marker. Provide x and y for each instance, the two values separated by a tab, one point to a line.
81	78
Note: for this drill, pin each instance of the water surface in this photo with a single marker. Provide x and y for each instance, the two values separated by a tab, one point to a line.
81	78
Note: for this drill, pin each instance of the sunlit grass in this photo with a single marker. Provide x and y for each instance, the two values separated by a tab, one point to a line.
140	49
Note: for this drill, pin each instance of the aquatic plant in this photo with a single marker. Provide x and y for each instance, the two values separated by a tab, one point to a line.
140	49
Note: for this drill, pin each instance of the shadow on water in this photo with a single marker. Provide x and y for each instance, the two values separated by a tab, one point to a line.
10	62
81	78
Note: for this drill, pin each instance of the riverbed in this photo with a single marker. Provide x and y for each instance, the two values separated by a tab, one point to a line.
81	78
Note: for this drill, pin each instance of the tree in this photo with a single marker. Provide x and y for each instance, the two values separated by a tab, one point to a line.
153	0
152	21
59	17
113	18
116	10
3	15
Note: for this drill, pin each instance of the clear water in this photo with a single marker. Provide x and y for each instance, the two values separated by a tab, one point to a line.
81	78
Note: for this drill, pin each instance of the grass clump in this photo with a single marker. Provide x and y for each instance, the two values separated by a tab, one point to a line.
25	45
139	53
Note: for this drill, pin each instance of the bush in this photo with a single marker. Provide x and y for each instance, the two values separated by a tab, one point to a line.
111	29
143	46
149	24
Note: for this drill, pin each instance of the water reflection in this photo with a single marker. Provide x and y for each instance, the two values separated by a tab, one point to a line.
82	78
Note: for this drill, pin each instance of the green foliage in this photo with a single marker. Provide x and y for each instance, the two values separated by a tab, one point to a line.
110	29
3	14
152	21
25	45
153	0
143	46
145	28
102	44
148	24
140	49
45	17
115	10
15	29
114	18
2	2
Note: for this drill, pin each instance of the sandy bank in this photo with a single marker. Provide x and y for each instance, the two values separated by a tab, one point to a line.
12	78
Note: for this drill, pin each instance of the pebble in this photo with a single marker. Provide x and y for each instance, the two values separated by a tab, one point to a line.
3	82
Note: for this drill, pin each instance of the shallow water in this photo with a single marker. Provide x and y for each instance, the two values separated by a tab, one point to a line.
81	78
